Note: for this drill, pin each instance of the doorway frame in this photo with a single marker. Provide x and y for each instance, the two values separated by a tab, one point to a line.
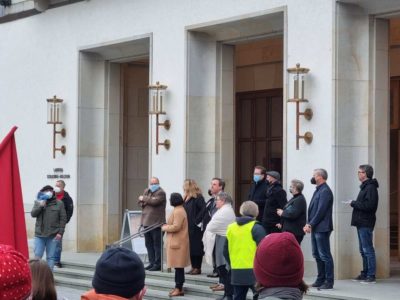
106	178
225	91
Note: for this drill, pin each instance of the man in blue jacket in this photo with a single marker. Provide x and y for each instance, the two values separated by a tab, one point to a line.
320	225
364	218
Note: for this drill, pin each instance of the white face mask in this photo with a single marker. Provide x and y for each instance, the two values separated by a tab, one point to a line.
49	194
57	190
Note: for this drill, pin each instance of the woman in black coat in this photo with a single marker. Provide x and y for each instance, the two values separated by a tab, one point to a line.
195	207
294	213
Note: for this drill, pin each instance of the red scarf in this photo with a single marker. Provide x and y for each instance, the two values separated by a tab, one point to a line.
60	196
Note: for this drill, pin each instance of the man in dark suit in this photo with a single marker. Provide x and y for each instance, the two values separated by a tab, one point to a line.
217	185
258	190
320	225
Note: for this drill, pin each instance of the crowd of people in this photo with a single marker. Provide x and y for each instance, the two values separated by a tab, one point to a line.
247	252
210	229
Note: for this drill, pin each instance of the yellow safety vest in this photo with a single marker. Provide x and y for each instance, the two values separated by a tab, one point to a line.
241	246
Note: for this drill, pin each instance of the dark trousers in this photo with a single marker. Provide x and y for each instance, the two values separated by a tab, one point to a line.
299	238
152	241
271	229
240	291
196	261
365	235
179	278
225	279
321	251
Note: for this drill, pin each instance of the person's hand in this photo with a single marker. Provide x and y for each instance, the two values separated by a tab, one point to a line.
164	227
307	228
141	198
279	226
42	203
58	237
279	212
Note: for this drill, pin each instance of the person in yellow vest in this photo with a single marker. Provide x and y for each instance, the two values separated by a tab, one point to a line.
243	236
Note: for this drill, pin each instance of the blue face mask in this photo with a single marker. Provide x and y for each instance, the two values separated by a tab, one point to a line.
256	178
45	195
154	187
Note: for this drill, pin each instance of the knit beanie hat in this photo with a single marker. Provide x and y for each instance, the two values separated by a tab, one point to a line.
119	272
47	188
279	261
15	275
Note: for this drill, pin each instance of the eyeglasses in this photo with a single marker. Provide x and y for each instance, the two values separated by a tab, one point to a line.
359	172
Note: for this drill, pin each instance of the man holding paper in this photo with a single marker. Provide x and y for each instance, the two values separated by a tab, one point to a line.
364	218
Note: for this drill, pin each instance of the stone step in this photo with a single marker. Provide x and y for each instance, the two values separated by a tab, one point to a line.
68	271
79	276
83	285
162	285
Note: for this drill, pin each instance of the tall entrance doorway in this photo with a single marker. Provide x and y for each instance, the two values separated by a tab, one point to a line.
259	110
113	137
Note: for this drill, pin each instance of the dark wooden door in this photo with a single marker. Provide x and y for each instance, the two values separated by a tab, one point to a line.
259	129
394	166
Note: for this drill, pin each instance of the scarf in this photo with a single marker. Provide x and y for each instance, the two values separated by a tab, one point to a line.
218	225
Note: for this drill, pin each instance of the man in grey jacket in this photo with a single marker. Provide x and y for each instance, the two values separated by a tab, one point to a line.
153	202
50	224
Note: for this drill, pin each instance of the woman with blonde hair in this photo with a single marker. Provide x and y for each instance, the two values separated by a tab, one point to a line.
195	207
43	287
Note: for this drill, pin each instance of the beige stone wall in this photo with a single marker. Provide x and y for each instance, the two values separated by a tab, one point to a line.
259	65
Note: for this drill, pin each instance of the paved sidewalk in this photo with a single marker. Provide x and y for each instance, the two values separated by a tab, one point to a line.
384	289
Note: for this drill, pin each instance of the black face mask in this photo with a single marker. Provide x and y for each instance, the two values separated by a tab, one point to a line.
313	180
209	193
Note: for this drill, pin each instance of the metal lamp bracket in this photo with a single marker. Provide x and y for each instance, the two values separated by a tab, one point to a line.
167	125
63	133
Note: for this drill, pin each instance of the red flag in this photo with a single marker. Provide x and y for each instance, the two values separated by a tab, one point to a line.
12	219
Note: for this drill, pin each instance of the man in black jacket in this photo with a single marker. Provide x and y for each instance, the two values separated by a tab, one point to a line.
363	217
258	190
275	199
294	213
63	196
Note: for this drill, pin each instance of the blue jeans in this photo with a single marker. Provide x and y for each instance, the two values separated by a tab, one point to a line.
57	255
50	245
365	235
321	251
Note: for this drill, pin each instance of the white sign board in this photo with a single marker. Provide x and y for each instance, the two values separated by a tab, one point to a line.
131	225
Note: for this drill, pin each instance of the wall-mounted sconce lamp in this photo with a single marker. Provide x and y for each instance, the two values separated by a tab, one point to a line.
298	97
156	98
53	117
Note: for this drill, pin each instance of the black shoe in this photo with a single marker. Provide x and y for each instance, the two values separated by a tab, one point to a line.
58	265
326	286
360	277
369	280
149	267
317	284
155	268
213	275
